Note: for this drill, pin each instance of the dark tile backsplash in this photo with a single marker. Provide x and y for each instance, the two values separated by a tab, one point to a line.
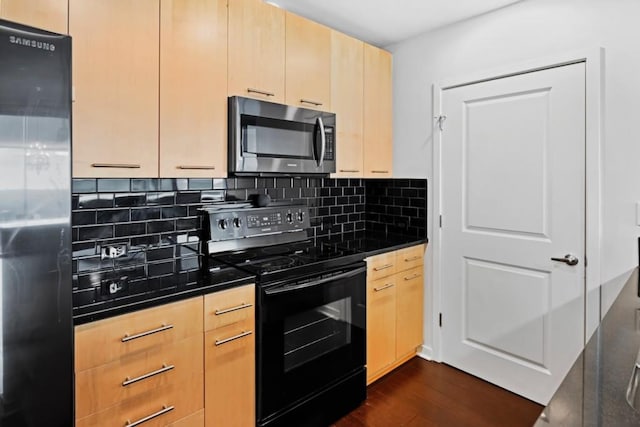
159	222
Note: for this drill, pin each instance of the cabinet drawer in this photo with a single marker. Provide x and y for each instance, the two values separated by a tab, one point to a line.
230	375
169	403
382	265
410	257
136	374
193	420
228	307
106	340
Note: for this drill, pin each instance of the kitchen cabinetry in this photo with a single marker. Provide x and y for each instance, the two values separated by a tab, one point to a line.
307	63
115	76
378	113
193	88
49	15
347	101
394	309
230	357
140	364
256	50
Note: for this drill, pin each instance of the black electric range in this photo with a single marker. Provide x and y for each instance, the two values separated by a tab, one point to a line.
310	312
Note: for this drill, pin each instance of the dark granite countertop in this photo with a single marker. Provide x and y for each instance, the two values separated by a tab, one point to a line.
373	243
594	391
163	290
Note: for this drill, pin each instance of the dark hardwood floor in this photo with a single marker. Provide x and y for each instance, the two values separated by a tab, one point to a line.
423	393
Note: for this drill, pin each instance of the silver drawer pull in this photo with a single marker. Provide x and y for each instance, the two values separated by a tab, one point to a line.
379	171
233	338
163	411
383	267
382	288
116	165
349	170
128	337
165	368
414	258
415	276
309	101
260	92
229	310
197	167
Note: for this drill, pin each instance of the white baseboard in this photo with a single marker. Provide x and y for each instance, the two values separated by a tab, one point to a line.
426	352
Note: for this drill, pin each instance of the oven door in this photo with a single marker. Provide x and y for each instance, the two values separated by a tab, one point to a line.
311	335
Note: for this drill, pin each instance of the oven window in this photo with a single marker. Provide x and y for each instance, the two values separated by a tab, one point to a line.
316	332
265	137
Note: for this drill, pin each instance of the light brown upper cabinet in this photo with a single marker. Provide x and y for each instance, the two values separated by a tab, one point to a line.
256	50
347	101
115	75
307	64
50	15
378	133
193	88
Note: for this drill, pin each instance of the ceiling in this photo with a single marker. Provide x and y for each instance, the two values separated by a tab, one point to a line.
385	22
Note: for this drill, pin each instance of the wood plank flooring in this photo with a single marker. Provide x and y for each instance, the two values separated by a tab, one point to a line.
423	393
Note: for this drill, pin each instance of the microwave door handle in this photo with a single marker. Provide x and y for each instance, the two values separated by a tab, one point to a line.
284	288
323	141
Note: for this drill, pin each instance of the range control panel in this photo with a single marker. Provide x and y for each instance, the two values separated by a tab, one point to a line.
226	224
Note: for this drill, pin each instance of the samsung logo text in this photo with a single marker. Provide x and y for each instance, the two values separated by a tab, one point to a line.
32	43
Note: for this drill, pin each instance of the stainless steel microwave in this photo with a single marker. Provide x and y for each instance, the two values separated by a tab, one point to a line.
273	139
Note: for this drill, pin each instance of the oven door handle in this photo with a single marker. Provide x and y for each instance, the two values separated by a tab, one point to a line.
284	288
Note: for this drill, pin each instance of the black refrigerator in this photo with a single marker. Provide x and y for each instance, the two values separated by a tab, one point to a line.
36	345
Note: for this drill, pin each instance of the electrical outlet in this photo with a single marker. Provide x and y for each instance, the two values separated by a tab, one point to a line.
113	251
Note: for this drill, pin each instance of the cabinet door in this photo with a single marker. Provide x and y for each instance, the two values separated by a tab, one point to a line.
193	88
230	375
115	76
409	320
49	15
381	324
308	63
256	50
347	100
378	134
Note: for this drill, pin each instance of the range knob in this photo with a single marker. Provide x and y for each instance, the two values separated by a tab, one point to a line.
237	222
223	224
300	216
289	217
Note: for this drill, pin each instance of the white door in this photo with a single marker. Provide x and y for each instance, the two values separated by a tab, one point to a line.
513	197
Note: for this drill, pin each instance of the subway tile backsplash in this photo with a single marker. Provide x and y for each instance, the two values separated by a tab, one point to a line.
159	222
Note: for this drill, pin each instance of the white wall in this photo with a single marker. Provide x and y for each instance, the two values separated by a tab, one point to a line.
515	34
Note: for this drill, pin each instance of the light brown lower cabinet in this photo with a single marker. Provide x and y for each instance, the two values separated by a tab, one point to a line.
185	364
395	289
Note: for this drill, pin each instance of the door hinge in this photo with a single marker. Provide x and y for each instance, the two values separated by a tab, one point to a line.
440	319
440	121
440	221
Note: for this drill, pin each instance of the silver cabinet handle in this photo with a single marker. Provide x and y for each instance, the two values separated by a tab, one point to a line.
197	167
229	310
233	338
165	368
568	259
128	337
412	258
415	276
349	170
309	101
379	171
260	92
116	165
383	267
382	288
163	411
